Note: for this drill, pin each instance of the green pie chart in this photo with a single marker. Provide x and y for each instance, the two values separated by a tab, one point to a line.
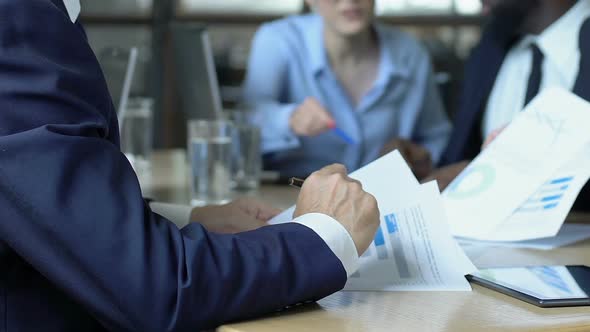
472	182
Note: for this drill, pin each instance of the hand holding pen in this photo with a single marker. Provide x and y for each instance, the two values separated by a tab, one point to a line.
296	182
312	119
330	191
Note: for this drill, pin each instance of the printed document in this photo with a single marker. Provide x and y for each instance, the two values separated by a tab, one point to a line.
413	248
543	213
523	185
568	235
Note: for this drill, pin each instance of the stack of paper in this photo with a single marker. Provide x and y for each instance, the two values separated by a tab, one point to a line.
568	234
413	248
524	184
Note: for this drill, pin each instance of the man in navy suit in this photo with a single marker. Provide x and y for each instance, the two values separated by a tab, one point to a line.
80	250
528	45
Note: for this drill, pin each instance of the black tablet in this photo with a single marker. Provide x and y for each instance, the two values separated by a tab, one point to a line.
543	286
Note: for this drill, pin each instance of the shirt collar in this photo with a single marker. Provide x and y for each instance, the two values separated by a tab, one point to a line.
389	65
560	41
392	64
73	8
315	41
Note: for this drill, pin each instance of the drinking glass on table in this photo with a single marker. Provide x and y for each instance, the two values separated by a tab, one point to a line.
137	133
210	154
246	157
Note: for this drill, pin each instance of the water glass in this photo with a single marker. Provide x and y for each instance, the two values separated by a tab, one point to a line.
246	159
137	133
210	154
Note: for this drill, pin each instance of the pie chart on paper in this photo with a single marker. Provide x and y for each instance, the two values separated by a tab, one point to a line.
472	182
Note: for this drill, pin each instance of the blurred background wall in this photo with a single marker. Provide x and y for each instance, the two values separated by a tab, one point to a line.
449	29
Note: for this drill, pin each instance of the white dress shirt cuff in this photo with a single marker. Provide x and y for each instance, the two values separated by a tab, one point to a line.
336	237
180	215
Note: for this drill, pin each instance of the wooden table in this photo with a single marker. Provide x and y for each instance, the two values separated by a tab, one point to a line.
480	310
168	181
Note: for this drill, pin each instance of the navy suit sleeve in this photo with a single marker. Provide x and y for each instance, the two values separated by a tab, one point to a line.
72	207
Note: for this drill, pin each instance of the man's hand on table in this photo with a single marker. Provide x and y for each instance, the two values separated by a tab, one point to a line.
492	136
417	156
331	192
445	175
241	215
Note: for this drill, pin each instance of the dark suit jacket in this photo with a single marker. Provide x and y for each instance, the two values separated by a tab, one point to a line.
79	248
481	70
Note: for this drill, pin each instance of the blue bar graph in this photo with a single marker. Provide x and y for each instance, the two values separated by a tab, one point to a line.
380	244
550	206
562	180
397	246
379	238
548	196
395	239
391	223
551	198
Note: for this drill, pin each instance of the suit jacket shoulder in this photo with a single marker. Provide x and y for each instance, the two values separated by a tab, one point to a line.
80	250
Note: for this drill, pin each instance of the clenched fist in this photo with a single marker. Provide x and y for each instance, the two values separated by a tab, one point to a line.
331	192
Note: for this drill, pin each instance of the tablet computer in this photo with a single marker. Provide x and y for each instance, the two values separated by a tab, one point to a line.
543	286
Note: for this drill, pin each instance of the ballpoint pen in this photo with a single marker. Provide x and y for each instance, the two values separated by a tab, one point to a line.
296	182
340	133
344	136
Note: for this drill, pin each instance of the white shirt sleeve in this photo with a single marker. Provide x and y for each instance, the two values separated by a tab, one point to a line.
180	215
336	237
332	232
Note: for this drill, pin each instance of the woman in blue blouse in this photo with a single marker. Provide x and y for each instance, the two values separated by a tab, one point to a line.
315	78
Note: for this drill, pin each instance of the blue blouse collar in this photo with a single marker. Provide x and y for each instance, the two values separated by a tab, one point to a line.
389	66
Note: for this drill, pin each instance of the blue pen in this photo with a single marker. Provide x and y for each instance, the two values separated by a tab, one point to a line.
344	136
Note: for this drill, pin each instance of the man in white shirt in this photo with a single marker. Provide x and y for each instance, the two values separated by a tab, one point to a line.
80	250
528	46
559	60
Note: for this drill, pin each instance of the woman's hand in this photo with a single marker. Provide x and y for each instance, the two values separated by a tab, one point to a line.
311	119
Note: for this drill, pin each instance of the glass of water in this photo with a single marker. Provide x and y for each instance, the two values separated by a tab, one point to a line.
136	133
246	157
210	153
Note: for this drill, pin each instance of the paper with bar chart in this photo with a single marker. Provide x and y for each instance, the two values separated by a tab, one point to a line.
543	213
413	248
523	185
392	164
568	235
